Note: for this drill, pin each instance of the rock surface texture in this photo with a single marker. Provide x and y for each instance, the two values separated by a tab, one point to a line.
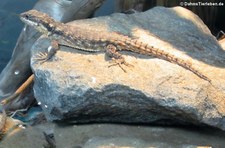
80	87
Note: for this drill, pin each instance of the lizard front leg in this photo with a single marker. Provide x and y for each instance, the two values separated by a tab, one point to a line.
117	58
52	49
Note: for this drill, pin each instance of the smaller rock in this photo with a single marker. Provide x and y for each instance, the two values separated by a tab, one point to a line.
31	137
116	136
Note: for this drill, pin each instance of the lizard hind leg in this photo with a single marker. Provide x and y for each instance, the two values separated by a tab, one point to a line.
117	58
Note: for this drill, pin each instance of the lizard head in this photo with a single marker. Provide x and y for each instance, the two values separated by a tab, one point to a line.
39	20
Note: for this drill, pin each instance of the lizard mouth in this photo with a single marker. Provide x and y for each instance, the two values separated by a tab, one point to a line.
28	22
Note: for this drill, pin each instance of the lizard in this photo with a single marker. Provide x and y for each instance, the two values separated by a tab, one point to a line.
95	41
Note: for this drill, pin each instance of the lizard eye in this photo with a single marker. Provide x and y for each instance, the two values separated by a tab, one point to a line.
26	16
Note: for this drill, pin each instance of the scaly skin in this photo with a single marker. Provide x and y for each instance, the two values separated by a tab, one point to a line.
93	40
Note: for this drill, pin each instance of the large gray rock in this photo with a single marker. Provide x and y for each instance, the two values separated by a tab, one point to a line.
80	87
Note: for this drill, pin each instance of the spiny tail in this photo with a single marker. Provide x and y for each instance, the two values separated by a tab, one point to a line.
146	49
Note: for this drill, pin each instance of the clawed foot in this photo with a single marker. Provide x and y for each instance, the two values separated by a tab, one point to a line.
119	62
41	57
45	56
117	58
